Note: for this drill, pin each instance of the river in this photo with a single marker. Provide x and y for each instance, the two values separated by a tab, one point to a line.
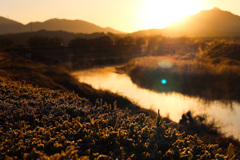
172	105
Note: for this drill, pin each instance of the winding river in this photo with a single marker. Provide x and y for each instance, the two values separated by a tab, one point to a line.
172	105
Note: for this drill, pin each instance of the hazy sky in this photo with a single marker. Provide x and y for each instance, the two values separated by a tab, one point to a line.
123	15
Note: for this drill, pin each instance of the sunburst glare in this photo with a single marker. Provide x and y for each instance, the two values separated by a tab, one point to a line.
160	13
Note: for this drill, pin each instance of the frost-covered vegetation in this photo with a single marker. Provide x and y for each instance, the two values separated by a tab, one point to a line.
55	77
41	122
47	124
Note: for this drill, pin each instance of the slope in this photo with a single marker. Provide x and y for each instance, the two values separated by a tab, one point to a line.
74	26
206	23
9	26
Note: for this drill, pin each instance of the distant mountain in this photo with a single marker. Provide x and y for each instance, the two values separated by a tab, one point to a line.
148	32
74	26
213	22
206	23
9	26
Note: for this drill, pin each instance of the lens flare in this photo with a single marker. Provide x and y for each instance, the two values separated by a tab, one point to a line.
165	64
164	81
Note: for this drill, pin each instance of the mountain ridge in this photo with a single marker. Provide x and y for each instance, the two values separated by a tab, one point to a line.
206	23
214	22
8	25
75	26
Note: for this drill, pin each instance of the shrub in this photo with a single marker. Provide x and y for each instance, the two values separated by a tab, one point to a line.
46	124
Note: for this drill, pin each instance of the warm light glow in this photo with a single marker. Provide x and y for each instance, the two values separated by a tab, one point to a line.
124	15
160	13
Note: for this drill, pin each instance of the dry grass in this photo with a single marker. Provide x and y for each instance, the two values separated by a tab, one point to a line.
190	77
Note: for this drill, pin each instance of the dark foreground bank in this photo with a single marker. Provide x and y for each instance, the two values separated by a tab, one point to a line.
47	124
39	121
55	77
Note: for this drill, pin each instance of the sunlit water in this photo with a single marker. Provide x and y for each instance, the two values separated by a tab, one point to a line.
171	104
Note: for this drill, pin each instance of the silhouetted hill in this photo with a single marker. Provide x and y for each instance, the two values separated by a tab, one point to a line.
207	23
213	22
148	32
9	26
75	26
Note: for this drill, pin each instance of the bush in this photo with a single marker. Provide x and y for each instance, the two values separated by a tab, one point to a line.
43	123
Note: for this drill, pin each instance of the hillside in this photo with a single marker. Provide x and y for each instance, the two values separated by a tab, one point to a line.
9	26
38	123
74	26
149	32
57	78
206	23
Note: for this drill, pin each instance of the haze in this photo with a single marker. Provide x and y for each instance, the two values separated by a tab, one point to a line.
124	15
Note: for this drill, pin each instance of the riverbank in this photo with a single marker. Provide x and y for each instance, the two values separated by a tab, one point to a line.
39	123
189	77
56	77
214	122
53	77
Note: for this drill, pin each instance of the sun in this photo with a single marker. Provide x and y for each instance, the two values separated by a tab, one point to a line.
160	13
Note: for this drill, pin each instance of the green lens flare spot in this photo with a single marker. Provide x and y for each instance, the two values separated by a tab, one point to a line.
164	81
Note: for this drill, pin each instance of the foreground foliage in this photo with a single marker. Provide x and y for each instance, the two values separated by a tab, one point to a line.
57	78
47	124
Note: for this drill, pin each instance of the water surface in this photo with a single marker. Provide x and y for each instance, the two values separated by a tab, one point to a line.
170	104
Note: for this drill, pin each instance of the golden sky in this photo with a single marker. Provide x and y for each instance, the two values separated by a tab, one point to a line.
123	15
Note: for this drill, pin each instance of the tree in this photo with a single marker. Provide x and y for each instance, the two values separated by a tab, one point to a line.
38	42
5	43
78	42
103	41
55	42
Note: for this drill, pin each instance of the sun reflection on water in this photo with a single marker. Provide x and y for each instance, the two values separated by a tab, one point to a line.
171	103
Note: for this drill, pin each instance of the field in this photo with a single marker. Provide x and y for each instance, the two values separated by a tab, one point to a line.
46	113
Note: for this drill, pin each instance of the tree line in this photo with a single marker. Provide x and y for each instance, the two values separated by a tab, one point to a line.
147	44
